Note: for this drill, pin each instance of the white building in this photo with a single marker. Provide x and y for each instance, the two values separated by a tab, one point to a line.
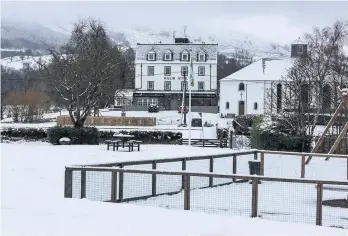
257	88
246	91
160	70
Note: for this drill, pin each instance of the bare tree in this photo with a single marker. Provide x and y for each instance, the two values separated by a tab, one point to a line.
85	70
302	94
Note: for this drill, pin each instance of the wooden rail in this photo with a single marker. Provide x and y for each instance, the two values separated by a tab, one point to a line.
186	176
303	158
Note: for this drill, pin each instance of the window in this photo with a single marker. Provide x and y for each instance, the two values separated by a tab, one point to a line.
123	101
184	70
151	56
241	87
200	85
299	49
227	105
185	56
168	55
201	70
167	85
167	70
183	83
153	101
201	57
150	85
150	70
255	105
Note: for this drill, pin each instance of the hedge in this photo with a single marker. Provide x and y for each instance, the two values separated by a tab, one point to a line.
272	137
25	133
147	137
88	135
85	135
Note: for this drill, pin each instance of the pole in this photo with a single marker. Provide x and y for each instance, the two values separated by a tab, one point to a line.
184	106
189	141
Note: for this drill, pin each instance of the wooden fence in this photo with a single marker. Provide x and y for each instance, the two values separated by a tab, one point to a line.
117	188
111	121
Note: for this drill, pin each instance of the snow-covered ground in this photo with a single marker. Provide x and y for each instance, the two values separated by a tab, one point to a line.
33	204
166	121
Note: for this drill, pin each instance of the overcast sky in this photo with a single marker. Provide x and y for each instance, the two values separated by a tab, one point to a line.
280	22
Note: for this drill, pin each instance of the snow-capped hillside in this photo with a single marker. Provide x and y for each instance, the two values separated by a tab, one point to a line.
228	42
19	62
27	35
36	36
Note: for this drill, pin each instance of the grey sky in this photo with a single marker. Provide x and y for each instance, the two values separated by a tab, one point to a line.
279	22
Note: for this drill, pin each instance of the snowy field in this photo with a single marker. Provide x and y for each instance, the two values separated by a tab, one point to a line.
32	196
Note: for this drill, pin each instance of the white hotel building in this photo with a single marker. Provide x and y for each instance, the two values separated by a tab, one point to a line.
160	69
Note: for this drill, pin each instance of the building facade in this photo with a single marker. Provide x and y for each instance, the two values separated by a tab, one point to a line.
161	71
258	87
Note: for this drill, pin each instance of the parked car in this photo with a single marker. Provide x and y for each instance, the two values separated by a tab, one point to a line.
153	108
180	108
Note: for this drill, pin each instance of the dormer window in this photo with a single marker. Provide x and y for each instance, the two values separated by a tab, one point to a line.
185	56
151	56
168	55
299	49
201	57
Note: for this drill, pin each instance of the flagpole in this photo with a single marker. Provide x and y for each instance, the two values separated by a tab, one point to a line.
190	122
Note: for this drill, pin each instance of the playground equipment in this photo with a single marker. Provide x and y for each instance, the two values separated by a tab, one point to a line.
343	93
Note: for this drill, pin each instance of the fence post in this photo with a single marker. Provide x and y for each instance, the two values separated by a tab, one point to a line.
211	169
319	214
183	167
68	183
230	140
234	167
255	196
262	164
186	192
121	182
113	186
83	183
303	166
154	166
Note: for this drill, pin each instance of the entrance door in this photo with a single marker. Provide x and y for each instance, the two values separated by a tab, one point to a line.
241	108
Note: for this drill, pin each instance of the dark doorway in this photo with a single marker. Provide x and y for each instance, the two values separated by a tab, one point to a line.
241	108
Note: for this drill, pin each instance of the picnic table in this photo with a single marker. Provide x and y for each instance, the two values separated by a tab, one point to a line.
123	137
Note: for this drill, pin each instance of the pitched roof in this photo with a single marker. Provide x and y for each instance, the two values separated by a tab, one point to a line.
274	70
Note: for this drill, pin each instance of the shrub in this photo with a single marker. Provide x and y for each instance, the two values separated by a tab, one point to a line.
243	124
271	134
26	133
84	135
147	137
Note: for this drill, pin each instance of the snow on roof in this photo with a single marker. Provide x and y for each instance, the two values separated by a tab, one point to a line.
274	71
125	92
143	49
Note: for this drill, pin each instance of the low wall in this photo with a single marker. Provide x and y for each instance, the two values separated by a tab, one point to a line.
111	121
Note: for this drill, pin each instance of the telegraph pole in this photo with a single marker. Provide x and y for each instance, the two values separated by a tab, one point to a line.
184	107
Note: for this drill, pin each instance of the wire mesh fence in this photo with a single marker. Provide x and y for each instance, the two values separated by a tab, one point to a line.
292	200
287	201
